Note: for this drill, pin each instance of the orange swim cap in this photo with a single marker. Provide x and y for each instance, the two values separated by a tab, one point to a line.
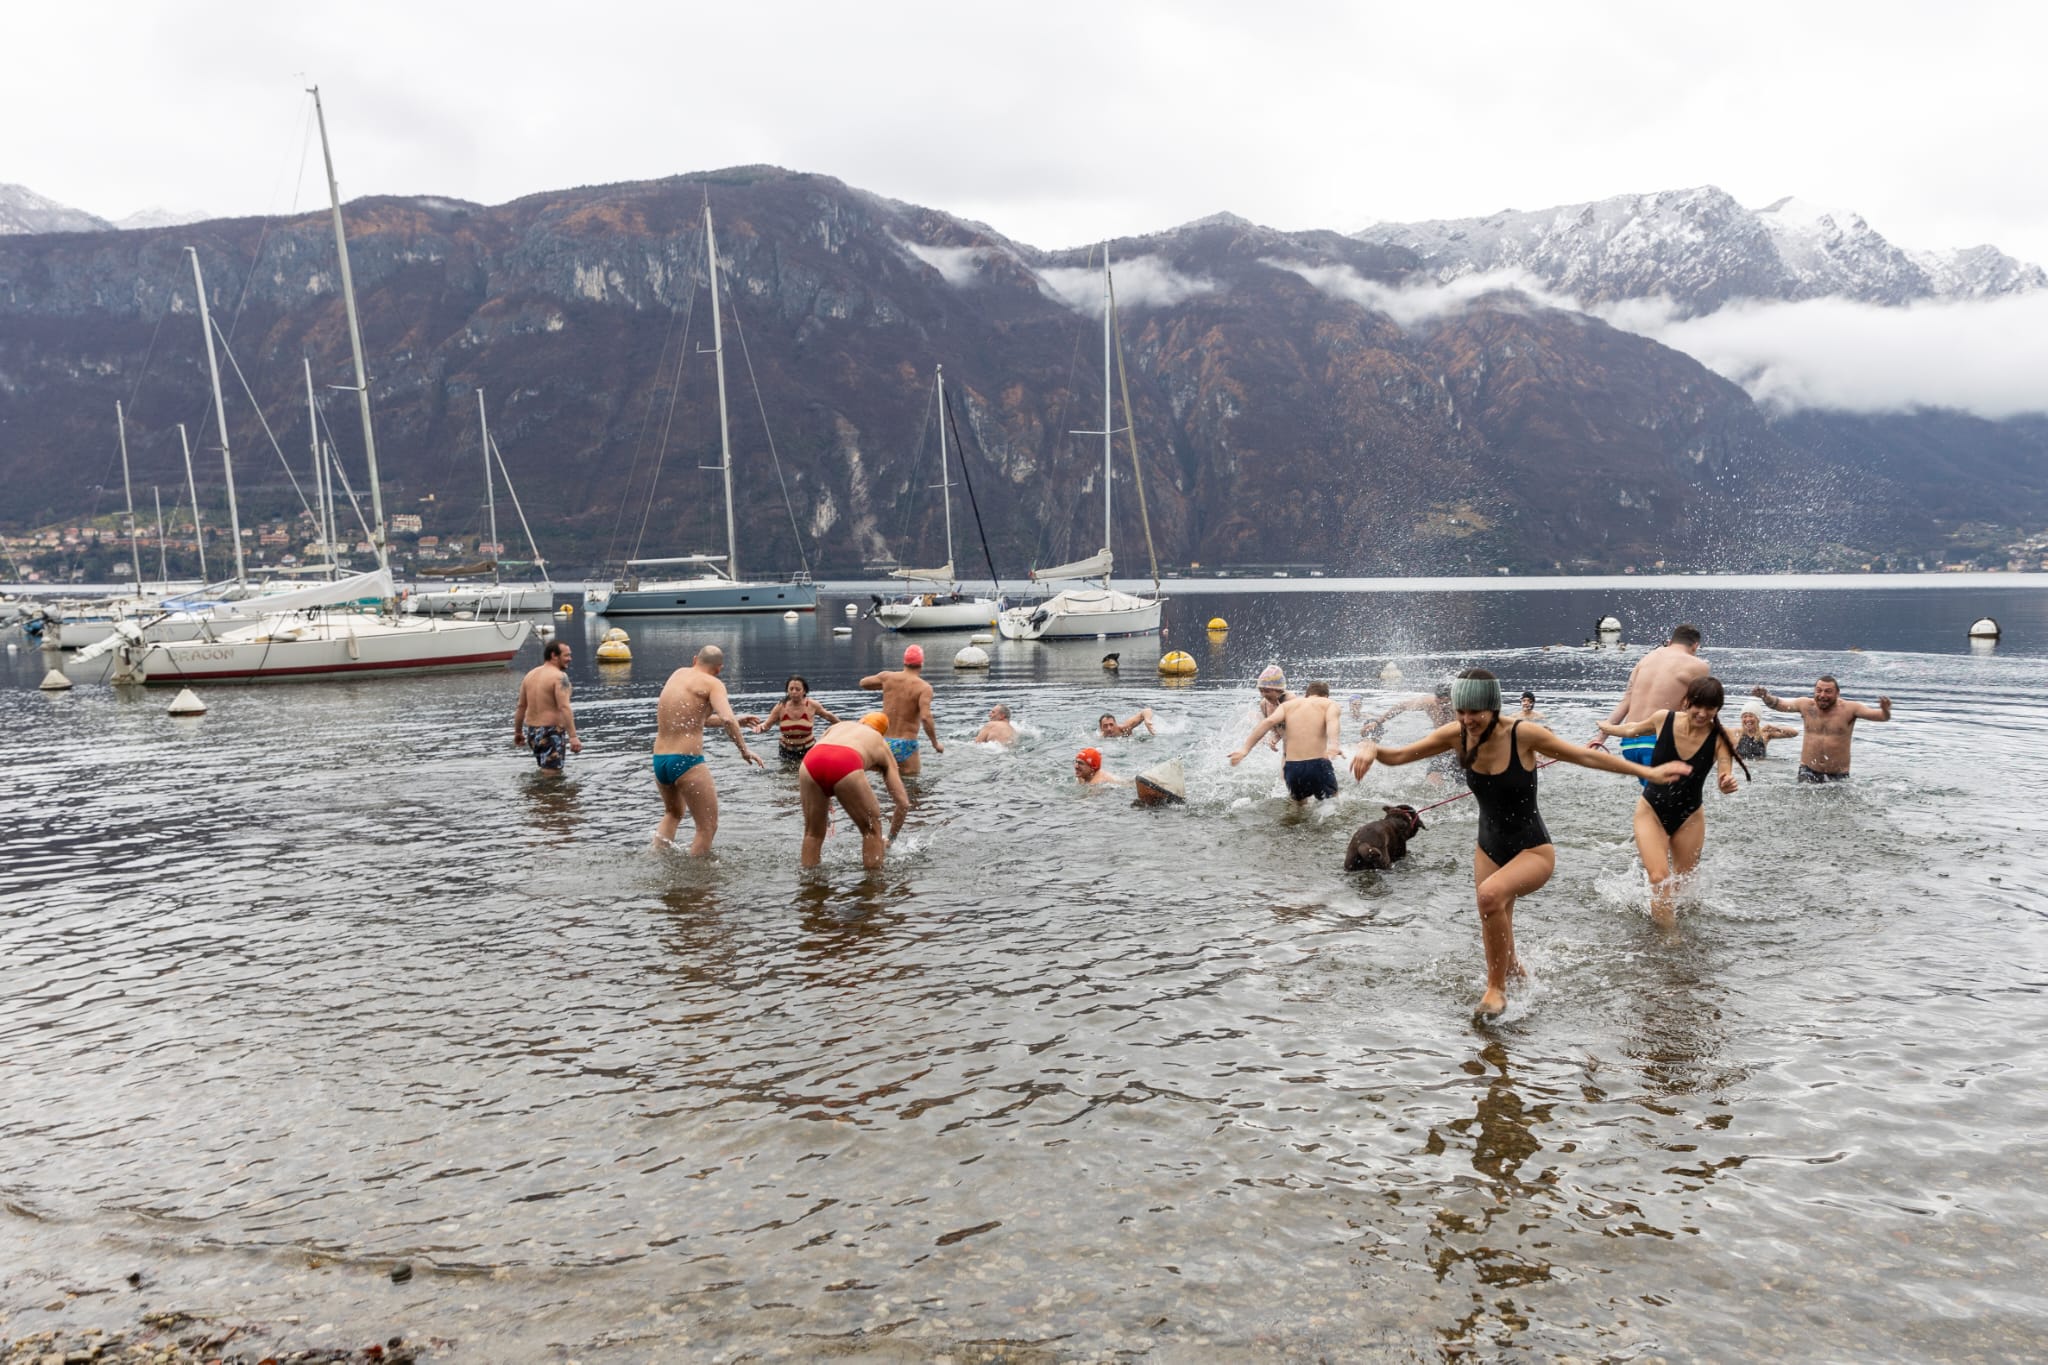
876	721
913	657
1092	757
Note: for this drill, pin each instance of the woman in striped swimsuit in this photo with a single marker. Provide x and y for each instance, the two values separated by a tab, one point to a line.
796	716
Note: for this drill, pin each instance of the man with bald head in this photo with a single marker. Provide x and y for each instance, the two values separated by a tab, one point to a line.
692	700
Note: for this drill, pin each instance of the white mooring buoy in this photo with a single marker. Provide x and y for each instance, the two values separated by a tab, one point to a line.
54	681
853	608
791	616
973	656
842	630
187	703
982	639
1610	625
1985	629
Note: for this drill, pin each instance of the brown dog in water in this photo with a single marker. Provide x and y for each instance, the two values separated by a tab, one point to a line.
1381	843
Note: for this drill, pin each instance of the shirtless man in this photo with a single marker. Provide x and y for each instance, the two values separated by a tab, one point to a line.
1109	727
998	730
1437	706
543	719
692	700
907	702
836	766
1315	733
1830	725
1656	683
1088	770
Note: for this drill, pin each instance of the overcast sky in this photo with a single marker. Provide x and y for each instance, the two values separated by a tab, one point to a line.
1055	122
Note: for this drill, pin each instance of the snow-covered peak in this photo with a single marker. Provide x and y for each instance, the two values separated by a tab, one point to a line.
1700	248
23	210
161	218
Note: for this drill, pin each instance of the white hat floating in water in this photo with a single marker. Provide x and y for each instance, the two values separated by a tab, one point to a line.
1164	784
973	656
54	681
187	703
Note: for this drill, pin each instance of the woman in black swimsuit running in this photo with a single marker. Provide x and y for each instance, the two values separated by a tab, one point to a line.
1671	822
1515	855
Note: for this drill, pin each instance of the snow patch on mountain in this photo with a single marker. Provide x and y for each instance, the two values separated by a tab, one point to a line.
143	219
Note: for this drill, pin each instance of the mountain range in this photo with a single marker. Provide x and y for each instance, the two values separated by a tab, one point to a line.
1293	402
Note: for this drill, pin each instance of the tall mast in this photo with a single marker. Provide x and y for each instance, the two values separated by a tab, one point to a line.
220	419
321	519
1108	426
945	478
355	342
490	493
192	491
127	488
163	558
732	540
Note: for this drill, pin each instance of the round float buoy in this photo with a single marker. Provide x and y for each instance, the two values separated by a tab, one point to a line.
1109	662
1217	623
54	681
791	616
615	648
853	608
973	656
187	703
842	630
1178	664
566	609
1609	625
1164	785
982	639
1985	629
1391	673
544	631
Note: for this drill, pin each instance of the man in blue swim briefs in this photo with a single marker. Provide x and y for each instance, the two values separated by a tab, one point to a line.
543	719
1313	727
692	701
1657	683
907	702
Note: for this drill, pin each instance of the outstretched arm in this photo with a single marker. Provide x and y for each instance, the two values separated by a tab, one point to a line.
721	709
1774	703
1649	725
1881	711
1543	741
1258	732
1437	741
871	683
758	723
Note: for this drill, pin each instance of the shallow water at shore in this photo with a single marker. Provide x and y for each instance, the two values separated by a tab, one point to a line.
329	981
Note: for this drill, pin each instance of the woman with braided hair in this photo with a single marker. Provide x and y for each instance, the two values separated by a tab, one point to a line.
1515	855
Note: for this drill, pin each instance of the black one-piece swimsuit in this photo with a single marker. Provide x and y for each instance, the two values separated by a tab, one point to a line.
1509	822
1674	802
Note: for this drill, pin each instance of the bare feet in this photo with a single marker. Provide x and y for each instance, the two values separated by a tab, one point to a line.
1491	1005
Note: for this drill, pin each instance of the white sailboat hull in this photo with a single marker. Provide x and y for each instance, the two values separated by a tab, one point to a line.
484	601
976	613
1083	614
323	647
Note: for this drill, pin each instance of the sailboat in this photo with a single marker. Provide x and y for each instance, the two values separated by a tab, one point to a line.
718	589
496	597
1092	613
942	606
324	642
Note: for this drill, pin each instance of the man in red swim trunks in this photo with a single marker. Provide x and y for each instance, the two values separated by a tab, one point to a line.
836	766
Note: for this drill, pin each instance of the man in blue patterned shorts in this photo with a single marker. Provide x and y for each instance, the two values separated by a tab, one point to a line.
543	720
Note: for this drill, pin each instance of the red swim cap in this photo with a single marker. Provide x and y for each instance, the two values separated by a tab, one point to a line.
913	657
1092	757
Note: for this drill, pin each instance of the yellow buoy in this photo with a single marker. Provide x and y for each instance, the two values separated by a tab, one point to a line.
1178	664
615	648
1218	623
566	609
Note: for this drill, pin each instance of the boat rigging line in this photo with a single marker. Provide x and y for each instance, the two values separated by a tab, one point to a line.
968	479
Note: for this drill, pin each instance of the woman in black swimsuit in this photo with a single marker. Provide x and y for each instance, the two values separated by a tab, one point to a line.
1755	739
1515	855
1671	822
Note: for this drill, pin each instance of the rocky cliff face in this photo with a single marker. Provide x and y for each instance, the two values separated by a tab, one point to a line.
1283	413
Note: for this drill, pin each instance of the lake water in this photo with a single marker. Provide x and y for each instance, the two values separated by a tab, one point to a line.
328	981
